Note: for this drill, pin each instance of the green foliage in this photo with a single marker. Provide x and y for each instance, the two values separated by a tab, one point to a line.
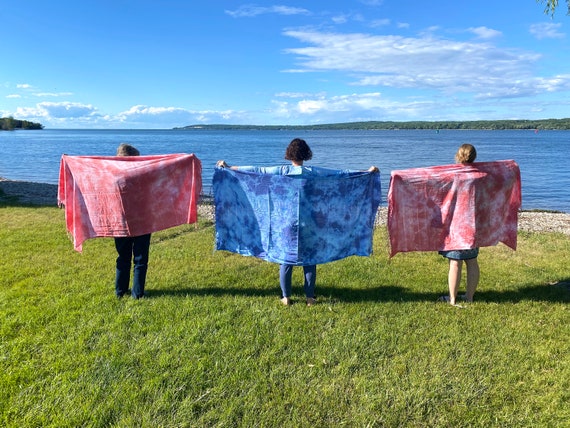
213	346
9	124
551	6
550	124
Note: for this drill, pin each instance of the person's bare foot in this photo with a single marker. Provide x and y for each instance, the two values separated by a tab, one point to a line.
447	299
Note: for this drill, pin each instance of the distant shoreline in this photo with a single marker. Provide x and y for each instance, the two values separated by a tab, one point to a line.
43	194
468	125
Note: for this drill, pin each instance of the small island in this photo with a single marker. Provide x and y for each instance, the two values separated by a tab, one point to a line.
10	124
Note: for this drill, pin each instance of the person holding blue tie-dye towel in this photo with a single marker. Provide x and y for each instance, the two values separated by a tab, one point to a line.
298	151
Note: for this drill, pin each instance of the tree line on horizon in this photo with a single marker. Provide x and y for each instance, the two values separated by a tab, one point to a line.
10	124
490	125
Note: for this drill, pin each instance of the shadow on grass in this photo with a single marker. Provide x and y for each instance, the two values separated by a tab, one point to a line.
213	291
558	292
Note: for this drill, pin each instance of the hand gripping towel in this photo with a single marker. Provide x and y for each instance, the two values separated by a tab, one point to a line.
454	207
118	196
299	219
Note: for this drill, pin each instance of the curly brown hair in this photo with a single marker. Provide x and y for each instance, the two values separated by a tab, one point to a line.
298	150
466	154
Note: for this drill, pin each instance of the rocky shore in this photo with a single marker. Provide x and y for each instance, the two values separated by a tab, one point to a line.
27	192
46	194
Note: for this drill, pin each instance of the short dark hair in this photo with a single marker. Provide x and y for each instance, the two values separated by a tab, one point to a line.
298	150
127	150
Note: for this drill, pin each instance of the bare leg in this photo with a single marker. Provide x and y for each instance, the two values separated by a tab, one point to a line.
472	278
454	278
285	275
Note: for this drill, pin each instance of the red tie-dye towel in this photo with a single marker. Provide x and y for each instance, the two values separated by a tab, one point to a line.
127	195
454	207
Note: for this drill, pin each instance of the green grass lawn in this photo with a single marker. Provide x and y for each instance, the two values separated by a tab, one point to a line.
212	346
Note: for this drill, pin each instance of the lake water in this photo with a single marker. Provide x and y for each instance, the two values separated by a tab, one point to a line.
542	156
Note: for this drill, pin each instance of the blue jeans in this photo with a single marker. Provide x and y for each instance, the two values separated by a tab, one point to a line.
285	273
135	249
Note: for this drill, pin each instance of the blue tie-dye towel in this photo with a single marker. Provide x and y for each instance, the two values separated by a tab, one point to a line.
308	217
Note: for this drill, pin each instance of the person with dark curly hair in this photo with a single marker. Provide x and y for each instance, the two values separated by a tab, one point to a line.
298	151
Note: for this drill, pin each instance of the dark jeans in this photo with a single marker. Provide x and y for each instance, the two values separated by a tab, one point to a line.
285	273
135	249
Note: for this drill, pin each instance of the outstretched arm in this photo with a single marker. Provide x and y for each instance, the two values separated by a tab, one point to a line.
223	164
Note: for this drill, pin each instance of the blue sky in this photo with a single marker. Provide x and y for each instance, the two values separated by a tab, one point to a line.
160	64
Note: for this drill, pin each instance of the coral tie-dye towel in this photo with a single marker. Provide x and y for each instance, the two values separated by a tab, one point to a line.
127	195
454	207
301	219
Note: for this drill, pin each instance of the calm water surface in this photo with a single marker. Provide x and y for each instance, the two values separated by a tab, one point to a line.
542	156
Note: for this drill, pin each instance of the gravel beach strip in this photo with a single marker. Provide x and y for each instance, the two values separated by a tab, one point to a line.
46	194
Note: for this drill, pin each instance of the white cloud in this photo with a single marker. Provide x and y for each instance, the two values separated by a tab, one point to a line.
426	62
376	106
339	19
484	32
343	18
311	106
63	110
346	108
141	110
380	23
23	86
556	83
13	96
296	94
546	30
248	11
76	115
68	110
431	30
169	117
53	94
